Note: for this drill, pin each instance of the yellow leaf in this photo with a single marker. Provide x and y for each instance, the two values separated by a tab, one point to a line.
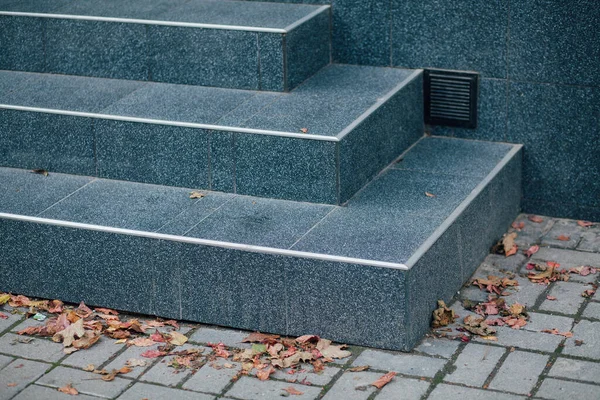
177	338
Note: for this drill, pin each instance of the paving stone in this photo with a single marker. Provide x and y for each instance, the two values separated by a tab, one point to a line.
526	293
560	390
353	386
410	389
473	293
13	379
568	298
590	240
211	380
519	372
592	310
29	322
97	355
503	263
532	232
589	332
155	392
37	349
4	361
162	374
131	352
408	364
251	388
566	228
308	377
576	369
450	392
229	337
539	322
438	347
567	259
8	322
474	364
46	393
525	339
85	382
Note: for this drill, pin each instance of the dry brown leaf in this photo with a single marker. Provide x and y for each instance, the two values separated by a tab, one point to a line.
532	250
68	335
359	368
196	195
106	311
330	351
430	194
141	342
584	224
490	338
477	326
307	338
293	391
135	362
384	380
442	316
264	374
177	338
508	243
11	384
68	389
257	337
551	298
556	332
83	311
564	238
89	368
88	340
535	218
588	293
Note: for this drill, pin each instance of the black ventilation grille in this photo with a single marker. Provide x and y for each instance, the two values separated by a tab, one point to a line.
450	98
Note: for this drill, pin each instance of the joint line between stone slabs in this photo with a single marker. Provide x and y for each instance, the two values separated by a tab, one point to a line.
205	242
461	207
380	102
170	123
145	22
306	18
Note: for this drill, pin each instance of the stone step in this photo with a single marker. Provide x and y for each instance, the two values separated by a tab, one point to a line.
320	143
234	44
369	273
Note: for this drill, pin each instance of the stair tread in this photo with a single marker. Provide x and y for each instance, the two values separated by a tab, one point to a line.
385	222
212	12
325	104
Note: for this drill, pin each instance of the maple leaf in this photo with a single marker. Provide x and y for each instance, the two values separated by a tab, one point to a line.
257	337
68	335
264	374
159	337
532	250
564	238
19	301
384	380
274	350
442	316
220	350
68	389
584	224
535	218
153	353
292	391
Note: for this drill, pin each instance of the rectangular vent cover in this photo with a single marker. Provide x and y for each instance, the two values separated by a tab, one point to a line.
450	98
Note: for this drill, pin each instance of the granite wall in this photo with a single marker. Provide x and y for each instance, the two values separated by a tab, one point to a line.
540	66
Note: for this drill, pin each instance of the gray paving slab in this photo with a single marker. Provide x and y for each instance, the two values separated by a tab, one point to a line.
592	310
576	369
590	240
559	390
230	338
408	389
10	319
37	349
408	364
589	333
306	376
85	382
532	232
568	298
156	392
566	229
353	386
450	392
47	393
539	322
475	364
96	355
163	374
213	377
526	293
251	388
519	372
132	352
4	361
18	374
503	263
524	339
438	347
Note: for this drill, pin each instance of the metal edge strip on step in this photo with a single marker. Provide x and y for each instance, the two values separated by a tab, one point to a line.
306	18
381	101
171	123
145	21
451	219
204	242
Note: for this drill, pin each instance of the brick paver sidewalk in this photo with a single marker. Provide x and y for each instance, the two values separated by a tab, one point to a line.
520	364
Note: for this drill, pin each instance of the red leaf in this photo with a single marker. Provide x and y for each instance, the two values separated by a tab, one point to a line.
384	380
564	238
584	224
3	316
153	354
532	250
535	218
158	337
552	264
530	266
551	298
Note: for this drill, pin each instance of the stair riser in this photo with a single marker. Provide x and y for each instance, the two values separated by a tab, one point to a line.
149	52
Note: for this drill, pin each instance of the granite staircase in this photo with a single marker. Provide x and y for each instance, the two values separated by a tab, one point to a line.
323	207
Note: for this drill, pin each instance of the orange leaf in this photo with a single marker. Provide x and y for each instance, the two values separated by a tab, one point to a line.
384	380
69	389
556	332
293	391
535	218
263	375
512	251
532	250
552	264
12	384
564	238
584	224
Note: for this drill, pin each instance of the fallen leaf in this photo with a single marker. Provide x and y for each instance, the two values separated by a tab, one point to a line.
508	242
89	368
12	384
40	172
360	368
304	130
177	338
384	380
83	311
88	340
518	225
196	195
141	342
584	224
551	298
532	250
578	342
429	194
556	332
264	374
490	338
4	298
257	337
3	316
535	218
442	316
293	391
220	350
307	338
329	351
106	311
563	238
68	389
588	293
134	362
68	335
153	353
55	307
584	270
477	326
